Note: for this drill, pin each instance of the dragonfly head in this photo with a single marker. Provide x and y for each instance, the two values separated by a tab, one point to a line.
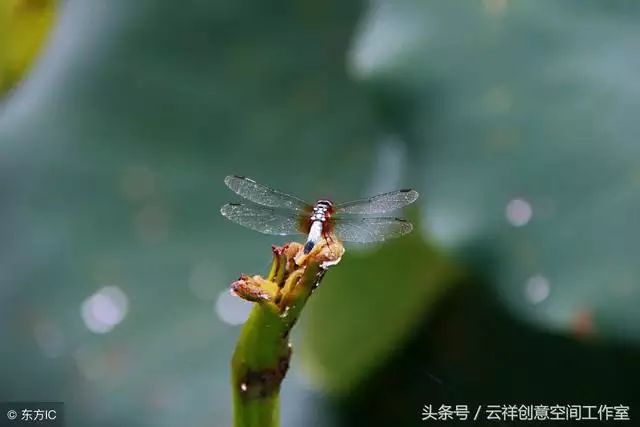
324	203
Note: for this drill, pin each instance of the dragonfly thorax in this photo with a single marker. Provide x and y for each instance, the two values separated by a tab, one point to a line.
321	210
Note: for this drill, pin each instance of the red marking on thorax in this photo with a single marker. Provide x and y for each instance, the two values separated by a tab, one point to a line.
304	223
305	220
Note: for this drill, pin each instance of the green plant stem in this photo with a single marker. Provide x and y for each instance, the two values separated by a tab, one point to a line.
261	351
262	355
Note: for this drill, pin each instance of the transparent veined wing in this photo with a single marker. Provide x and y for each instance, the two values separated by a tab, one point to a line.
381	203
366	230
263	195
263	219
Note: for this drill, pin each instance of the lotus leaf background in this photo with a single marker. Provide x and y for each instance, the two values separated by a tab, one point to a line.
515	120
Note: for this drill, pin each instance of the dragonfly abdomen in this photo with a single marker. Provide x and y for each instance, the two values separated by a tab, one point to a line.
314	235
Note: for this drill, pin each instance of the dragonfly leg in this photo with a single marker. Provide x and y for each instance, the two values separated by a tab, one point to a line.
329	239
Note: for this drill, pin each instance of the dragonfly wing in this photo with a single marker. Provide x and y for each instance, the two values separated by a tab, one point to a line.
262	219
263	195
366	230
378	204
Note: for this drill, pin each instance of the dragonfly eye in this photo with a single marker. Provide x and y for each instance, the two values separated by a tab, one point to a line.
326	204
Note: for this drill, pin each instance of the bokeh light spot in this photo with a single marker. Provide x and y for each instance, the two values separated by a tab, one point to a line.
537	289
495	8
102	311
152	224
203	279
231	309
582	324
50	339
519	212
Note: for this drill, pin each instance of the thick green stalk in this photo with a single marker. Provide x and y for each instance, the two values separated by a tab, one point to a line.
261	358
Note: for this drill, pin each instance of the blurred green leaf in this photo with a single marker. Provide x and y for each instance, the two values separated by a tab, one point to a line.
113	151
524	133
112	155
520	118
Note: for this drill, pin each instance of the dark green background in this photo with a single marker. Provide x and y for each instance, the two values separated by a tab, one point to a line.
113	151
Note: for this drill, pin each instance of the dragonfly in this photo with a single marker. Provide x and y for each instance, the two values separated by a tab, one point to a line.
277	213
